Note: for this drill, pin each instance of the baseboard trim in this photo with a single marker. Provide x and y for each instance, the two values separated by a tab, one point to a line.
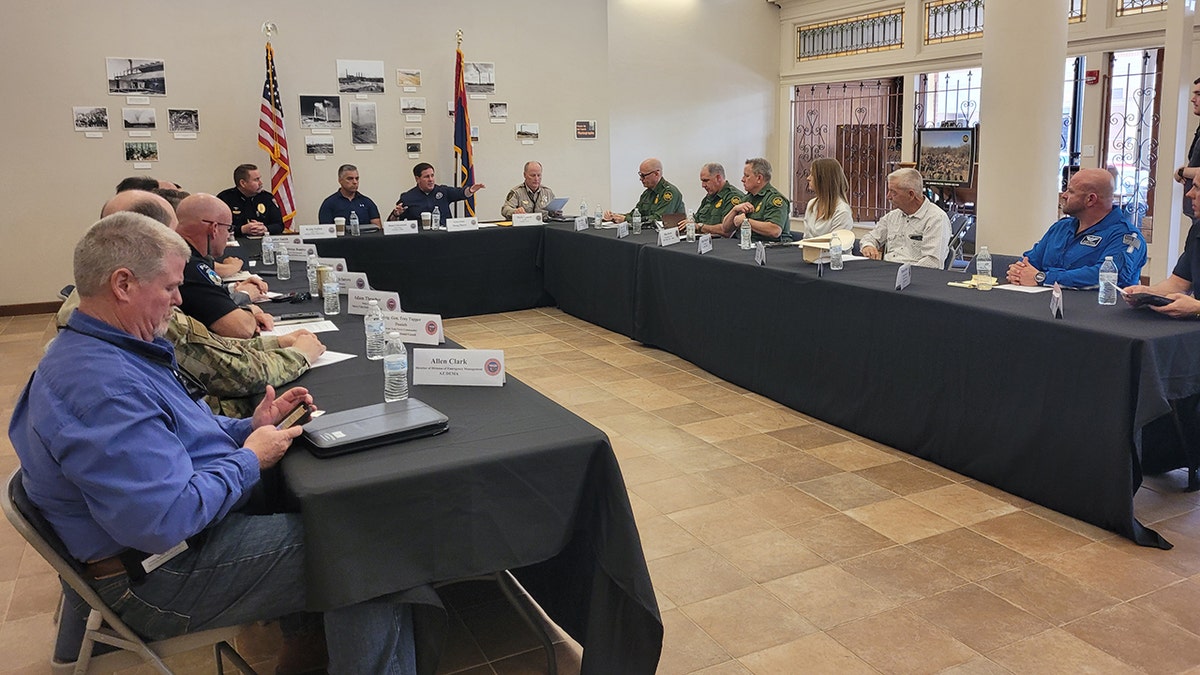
30	308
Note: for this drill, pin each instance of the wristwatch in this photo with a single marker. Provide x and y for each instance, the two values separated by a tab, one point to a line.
1040	278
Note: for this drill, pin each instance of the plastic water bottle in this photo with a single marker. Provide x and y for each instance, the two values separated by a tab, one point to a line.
583	209
268	251
436	219
599	216
355	230
745	243
1108	282
835	254
637	221
395	370
373	323
983	262
691	226
333	302
310	270
283	265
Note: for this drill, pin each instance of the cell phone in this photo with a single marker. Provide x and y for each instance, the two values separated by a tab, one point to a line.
298	415
297	317
1143	299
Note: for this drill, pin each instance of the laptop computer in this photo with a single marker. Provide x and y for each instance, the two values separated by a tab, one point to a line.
672	220
371	426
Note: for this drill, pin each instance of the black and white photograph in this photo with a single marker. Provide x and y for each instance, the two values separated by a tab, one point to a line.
90	118
320	112
136	77
414	105
479	77
413	148
528	131
139	118
408	77
141	151
360	77
318	145
363	130
183	119
498	110
412	133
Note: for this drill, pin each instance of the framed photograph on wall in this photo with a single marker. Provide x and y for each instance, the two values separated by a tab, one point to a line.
360	77
141	151
139	118
90	118
136	77
318	145
479	77
321	112
408	77
363	127
183	119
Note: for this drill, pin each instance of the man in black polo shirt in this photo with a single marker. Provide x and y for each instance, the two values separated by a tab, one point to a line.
255	212
204	222
427	195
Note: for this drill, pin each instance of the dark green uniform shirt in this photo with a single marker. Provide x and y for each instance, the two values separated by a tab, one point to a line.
660	199
714	207
771	206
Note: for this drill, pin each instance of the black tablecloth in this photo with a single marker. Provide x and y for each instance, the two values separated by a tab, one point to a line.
592	275
518	482
987	384
493	269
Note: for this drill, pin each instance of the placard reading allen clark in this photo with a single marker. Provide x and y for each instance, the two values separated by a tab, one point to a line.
464	367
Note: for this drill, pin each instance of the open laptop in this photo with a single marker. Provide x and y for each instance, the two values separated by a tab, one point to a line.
370	426
672	220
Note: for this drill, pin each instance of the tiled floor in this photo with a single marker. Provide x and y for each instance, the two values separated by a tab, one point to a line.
777	544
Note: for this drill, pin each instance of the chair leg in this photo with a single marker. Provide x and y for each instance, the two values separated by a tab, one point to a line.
224	649
508	584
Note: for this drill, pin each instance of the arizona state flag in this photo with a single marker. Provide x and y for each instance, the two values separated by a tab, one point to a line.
464	160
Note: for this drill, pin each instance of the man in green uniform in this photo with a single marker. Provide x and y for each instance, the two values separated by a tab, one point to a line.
765	207
660	197
720	196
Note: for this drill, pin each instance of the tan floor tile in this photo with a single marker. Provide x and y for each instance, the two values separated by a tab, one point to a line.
1150	507
1055	652
771	419
705	393
1139	638
589	393
686	413
630	424
901	574
1183	560
900	520
896	641
797	467
741	479
672	378
838	536
851	455
1030	535
739	405
10	557
980	665
603	409
829	596
686	648
33	564
785	506
677	493
698	458
1062	520
666	438
747	620
646	469
695	575
718	429
757	447
997	493
979	619
727	668
624	448
768	555
662	537
962	504
1120	575
641	508
969	554
647	395
27	642
1179	604
1045	593
815	653
808	437
34	595
942	471
719	522
846	490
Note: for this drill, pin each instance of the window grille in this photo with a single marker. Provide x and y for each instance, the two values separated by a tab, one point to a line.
874	32
1132	7
951	20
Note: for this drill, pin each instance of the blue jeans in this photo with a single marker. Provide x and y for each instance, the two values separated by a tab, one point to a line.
251	568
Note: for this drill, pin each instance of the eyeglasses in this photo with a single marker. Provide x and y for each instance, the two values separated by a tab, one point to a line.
648	173
223	226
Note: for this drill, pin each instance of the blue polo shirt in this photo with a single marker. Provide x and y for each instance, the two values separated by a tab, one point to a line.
336	205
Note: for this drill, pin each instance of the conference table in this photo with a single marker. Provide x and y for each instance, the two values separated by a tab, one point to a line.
517	483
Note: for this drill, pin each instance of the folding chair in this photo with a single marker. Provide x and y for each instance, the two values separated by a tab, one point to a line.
525	608
102	624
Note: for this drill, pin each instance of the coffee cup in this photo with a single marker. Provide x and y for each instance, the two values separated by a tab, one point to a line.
340	225
426	219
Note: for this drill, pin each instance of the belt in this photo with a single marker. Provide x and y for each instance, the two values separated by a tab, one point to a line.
103	569
128	562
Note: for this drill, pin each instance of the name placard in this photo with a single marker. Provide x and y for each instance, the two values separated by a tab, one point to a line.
297	251
360	301
580	223
349	281
318	231
622	230
668	237
760	254
462	367
400	227
903	276
525	219
422	329
338	264
704	244
461	224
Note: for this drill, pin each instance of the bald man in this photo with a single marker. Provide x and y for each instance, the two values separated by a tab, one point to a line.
1074	248
204	223
659	197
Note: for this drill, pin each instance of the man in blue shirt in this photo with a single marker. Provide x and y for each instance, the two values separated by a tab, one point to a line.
347	199
143	483
428	196
1074	248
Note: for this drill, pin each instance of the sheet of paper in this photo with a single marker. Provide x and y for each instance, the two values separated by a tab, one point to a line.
237	276
332	357
1022	289
322	326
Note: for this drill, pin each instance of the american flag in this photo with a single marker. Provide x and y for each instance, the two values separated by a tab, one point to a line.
463	156
273	138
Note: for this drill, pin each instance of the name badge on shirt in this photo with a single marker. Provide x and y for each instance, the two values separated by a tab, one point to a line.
916	237
1092	240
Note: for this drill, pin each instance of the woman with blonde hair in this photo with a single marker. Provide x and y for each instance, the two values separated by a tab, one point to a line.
830	209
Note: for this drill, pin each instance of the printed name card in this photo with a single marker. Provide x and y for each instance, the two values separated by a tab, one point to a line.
668	237
400	227
580	223
338	264
360	301
704	244
422	329
622	230
525	219
760	254
349	281
461	224
1056	301
903	276
463	367
318	232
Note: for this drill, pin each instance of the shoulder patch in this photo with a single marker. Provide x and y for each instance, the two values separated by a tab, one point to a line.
209	272
735	201
778	201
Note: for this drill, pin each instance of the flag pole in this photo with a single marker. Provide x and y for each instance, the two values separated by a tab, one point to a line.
458	36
